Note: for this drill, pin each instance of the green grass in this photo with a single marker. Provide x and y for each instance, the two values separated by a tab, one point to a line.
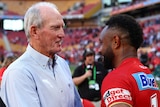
158	82
72	67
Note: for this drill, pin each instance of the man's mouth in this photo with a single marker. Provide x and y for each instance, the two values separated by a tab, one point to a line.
59	42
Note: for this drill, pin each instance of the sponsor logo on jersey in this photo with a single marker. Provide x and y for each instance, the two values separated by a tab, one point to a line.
114	94
145	81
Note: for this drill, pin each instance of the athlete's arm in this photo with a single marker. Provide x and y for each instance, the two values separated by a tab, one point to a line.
121	105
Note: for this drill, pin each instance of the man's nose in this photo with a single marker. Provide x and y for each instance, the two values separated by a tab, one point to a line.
61	33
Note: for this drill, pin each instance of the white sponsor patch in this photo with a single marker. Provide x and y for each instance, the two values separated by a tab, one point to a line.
116	94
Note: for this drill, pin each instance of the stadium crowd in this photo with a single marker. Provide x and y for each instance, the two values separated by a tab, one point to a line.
78	39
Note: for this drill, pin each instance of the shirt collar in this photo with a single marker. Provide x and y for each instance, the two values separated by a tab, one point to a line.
41	59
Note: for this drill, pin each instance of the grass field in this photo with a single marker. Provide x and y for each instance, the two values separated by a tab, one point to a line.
72	67
158	82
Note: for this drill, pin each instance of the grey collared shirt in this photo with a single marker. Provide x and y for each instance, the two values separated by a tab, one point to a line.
28	82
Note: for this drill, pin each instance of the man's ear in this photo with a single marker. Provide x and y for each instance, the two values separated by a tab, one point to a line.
34	31
116	41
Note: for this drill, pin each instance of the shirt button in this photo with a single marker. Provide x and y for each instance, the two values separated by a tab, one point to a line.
69	85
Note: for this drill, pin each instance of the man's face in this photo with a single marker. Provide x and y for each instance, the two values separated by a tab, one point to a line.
106	48
52	33
89	59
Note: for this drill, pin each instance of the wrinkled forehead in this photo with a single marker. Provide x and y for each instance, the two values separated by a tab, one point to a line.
52	14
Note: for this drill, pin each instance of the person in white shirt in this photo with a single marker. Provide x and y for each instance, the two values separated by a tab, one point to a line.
32	80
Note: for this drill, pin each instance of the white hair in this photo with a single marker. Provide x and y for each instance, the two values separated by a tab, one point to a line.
34	17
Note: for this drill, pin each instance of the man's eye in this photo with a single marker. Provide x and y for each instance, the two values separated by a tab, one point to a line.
57	27
54	27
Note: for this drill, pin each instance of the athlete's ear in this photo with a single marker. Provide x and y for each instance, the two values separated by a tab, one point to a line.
116	41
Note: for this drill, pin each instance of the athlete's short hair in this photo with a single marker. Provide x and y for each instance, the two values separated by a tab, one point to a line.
128	25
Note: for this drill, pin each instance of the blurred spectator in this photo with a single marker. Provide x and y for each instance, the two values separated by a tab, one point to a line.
156	72
144	59
88	77
7	61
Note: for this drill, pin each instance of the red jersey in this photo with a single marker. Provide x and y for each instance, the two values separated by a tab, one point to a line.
130	83
1	72
87	103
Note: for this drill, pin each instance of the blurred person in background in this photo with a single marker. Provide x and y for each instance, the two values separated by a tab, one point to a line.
130	83
144	59
7	61
39	77
88	77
